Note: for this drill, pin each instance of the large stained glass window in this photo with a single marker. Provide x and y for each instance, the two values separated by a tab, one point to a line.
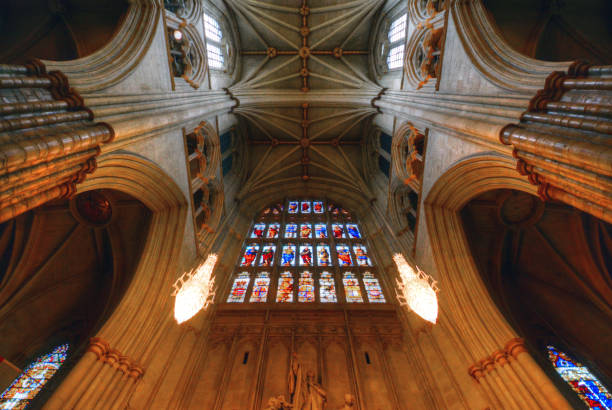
584	383
306	251
19	394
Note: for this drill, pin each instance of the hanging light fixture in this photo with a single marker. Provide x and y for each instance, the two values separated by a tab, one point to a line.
194	290
417	290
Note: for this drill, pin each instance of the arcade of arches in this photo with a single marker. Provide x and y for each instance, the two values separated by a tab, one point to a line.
305	142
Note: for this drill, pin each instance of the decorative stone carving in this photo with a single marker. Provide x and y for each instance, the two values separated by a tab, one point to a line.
424	56
306	394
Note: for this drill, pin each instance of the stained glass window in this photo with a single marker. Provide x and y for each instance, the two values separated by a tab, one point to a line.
318	207
258	230
267	255
250	253
292	243
338	231
361	254
291	231
305	231
306	288
285	288
353	231
305	255
260	287
288	256
373	289
344	255
19	394
327	288
321	231
323	258
582	381
351	288
273	231
239	288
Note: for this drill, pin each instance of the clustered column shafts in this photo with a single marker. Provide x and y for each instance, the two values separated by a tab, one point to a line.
48	140
563	142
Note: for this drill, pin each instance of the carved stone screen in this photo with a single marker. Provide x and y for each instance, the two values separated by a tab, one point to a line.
305	251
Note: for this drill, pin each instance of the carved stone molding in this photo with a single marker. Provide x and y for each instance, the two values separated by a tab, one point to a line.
424	55
561	141
48	140
113	358
499	358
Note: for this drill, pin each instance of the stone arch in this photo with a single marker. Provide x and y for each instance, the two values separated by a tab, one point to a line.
407	151
134	327
466	302
491	54
119	57
57	30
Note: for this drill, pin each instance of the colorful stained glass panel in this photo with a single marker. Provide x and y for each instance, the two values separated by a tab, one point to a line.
317	207
305	231
327	288
321	231
353	231
239	288
285	288
361	254
305	207
267	255
583	382
273	230
19	394
288	255
250	253
373	289
306	290
305	255
323	255
258	231
344	255
261	285
291	231
338	231
293	207
351	288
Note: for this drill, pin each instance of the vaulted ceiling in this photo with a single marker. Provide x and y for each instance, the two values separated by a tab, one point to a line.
305	91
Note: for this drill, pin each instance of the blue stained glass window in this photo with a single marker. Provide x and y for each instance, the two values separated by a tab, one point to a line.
19	394
582	381
383	165
385	142
225	141
226	165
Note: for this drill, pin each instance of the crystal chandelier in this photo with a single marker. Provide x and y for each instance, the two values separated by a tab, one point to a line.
194	290
417	290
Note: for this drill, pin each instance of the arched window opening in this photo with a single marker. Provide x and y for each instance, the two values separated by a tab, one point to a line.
297	252
214	43
19	394
396	36
583	382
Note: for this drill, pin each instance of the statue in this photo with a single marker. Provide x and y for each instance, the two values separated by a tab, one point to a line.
305	393
278	403
315	395
349	402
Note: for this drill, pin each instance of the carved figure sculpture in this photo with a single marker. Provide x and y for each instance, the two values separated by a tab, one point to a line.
349	402
278	403
315	395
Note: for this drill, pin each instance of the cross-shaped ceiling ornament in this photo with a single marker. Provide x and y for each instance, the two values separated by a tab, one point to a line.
305	142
